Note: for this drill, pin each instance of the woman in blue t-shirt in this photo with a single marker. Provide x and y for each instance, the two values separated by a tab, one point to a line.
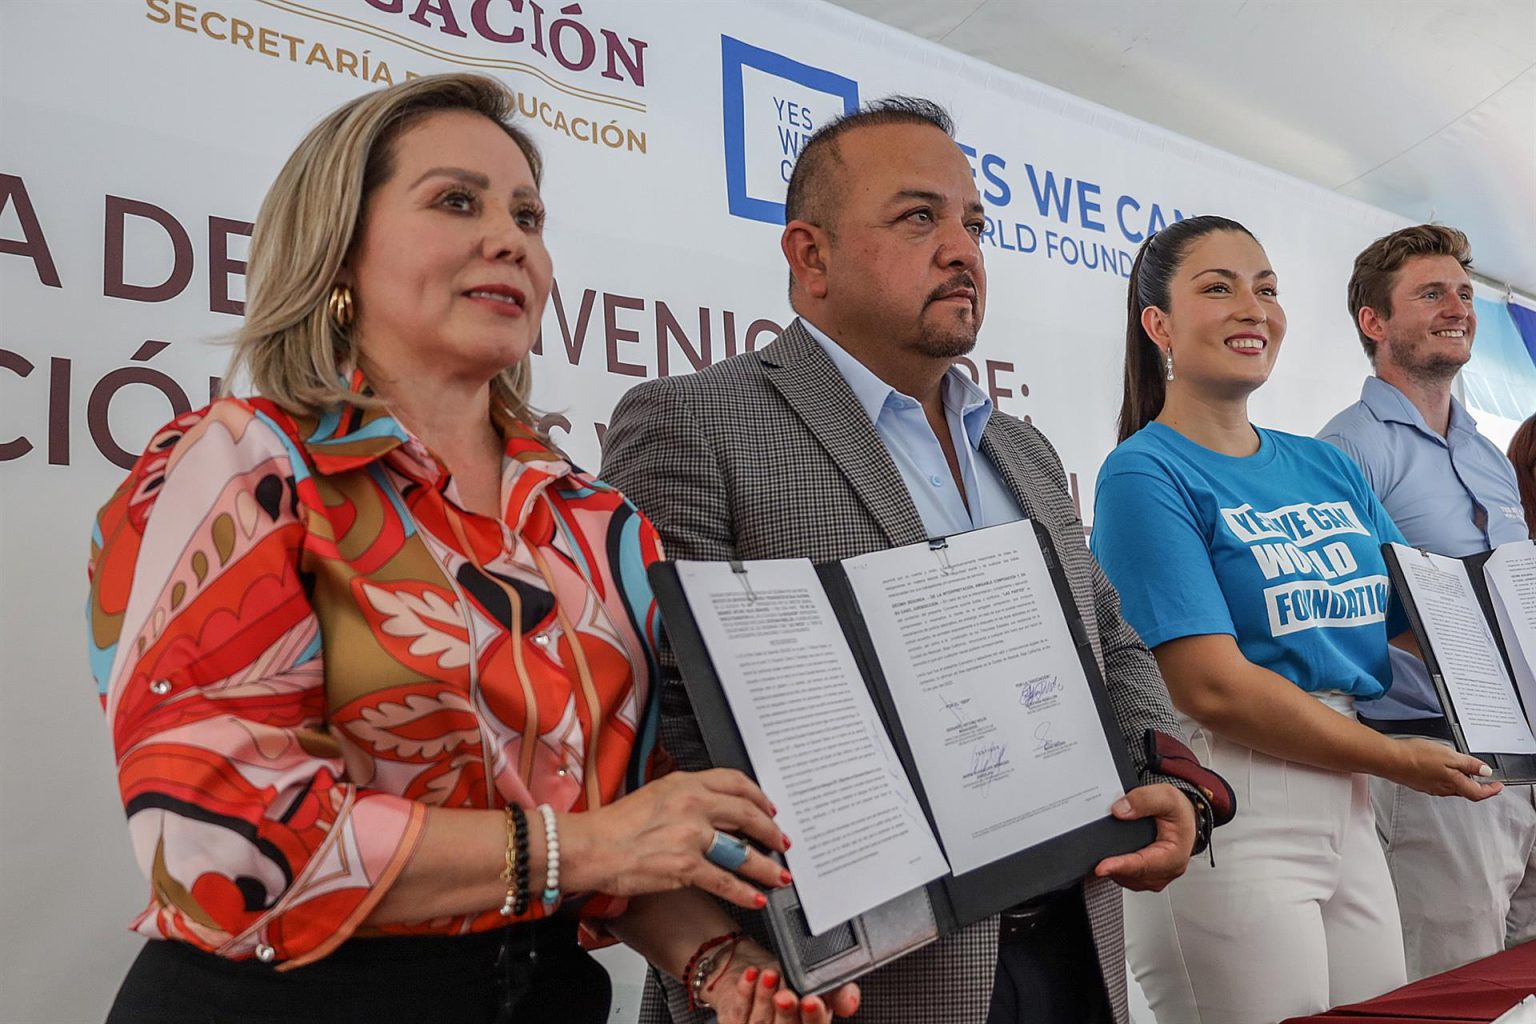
1249	560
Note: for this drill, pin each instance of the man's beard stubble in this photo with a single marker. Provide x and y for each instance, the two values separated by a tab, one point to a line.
937	343
1426	368
956	339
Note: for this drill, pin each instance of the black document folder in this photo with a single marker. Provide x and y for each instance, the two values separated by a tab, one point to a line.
1507	767
815	963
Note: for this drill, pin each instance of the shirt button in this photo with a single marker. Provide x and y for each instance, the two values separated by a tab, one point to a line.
936	480
266	954
542	639
562	771
160	687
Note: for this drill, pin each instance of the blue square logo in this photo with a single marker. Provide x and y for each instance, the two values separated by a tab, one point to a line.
772	105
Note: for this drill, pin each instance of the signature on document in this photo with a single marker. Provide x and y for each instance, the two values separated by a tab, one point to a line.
1033	693
1044	742
986	759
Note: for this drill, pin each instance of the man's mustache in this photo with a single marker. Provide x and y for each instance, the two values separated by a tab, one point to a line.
954	284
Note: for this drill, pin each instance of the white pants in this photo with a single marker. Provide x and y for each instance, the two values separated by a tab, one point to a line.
1465	873
1297	915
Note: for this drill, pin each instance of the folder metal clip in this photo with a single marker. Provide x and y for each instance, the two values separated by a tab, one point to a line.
746	584
940	547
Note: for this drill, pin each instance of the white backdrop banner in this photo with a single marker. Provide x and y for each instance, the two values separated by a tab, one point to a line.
137	138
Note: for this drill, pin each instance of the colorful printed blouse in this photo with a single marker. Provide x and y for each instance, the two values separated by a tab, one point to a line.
302	641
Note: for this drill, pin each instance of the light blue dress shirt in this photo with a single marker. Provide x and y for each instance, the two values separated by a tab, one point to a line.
1453	495
903	426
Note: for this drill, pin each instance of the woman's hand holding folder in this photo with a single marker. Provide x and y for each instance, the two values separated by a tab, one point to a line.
758	997
1439	770
655	839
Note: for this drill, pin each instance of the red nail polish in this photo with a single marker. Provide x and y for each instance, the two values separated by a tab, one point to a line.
750	974
773	808
770	979
760	901
785	877
809	1005
786	844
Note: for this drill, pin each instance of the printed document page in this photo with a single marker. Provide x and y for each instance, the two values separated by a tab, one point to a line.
1511	575
979	660
814	737
1490	716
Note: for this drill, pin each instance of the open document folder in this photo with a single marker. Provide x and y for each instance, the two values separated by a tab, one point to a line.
1475	621
930	721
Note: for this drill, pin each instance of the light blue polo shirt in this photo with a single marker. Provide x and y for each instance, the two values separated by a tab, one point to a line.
1453	495
901	423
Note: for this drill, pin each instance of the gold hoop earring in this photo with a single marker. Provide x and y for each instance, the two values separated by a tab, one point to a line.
1168	364
339	306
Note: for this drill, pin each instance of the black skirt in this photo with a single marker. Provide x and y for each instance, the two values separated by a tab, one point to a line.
527	974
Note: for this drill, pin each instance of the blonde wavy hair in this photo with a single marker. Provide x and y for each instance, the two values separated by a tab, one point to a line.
292	351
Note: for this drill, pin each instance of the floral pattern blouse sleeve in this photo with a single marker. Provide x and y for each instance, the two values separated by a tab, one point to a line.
206	650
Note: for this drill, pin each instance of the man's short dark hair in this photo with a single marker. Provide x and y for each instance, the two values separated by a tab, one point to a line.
814	183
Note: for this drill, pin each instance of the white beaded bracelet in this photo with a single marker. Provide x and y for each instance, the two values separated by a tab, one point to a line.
551	894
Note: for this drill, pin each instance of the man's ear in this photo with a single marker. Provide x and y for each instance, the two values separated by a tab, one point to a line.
806	251
1372	324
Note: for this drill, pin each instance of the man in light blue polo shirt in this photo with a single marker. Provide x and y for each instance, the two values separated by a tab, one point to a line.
1465	872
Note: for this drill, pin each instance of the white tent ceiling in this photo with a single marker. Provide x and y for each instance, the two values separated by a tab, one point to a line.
1426	108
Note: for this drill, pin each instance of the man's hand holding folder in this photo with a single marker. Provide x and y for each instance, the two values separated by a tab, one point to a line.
1153	866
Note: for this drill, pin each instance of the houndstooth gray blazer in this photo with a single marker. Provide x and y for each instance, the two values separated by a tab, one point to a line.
769	455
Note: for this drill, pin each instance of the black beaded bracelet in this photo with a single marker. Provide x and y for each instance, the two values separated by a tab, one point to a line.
520	844
515	874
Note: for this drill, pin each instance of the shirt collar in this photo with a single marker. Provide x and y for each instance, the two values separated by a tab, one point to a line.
1392	406
349	436
961	395
975	408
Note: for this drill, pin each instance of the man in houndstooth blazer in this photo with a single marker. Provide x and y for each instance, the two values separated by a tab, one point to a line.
770	455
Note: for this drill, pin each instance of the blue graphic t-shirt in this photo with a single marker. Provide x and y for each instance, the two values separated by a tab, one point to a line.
1280	549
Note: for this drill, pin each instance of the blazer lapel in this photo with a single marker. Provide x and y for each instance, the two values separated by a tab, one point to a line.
810	382
1005	457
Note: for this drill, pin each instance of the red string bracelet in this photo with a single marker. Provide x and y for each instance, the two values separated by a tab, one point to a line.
726	968
702	964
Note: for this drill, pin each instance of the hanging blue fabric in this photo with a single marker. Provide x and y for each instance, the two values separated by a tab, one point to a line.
1501	376
1525	323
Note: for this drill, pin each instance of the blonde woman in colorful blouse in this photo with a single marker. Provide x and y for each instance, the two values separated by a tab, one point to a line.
377	660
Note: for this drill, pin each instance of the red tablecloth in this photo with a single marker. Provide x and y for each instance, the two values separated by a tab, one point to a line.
1478	992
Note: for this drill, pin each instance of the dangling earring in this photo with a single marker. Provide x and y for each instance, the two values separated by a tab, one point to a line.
1167	363
339	305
